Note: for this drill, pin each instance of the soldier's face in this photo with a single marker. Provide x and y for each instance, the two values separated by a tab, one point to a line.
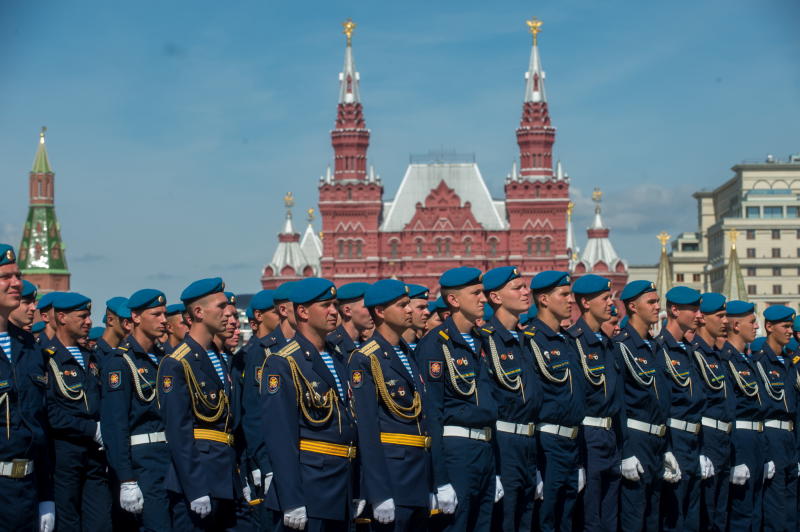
177	326
75	324
469	301
10	286
687	316
360	315
419	314
322	315
559	302
152	321
231	321
514	296
211	311
270	319
599	306
611	327
781	332
647	307
24	313
434	320
398	314
286	310
746	327
716	324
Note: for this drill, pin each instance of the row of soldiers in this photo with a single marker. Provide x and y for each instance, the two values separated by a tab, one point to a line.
488	409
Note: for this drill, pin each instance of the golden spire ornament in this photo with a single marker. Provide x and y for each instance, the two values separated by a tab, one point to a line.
733	234
41	134
349	26
310	215
570	208
534	26
663	237
288	200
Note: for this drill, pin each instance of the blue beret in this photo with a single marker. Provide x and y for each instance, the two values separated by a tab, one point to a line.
437	305
623	322
591	284
96	332
28	290
248	312
461	276
779	313
385	291
46	301
118	305
758	344
38	327
549	279
263	300
231	297
527	317
70	301
634	289
146	298
7	255
683	295
739	308
176	308
351	291
796	324
712	302
283	292
614	311
488	312
496	278
311	290
791	347
417	291
202	288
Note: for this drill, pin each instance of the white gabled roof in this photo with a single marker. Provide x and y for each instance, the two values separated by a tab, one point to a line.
464	178
289	252
311	245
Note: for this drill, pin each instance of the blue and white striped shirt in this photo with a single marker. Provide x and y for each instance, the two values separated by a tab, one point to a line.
326	357
470	340
153	357
217	363
403	359
77	355
5	344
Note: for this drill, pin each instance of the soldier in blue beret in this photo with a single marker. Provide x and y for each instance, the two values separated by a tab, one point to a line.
562	412
38	327
459	407
133	431
717	421
23	315
25	483
116	313
438	313
748	442
307	421
681	499
355	320
46	314
611	328
194	390
95	333
646	457
419	314
285	308
387	396
780	490
177	326
73	401
517	393
601	437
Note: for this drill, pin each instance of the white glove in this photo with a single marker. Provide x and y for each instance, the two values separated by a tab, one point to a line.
447	498
359	504
47	516
498	489
98	436
706	467
131	498
539	487
384	512
740	474
769	470
296	518
631	468
256	474
581	479
201	506
267	480
672	471
246	493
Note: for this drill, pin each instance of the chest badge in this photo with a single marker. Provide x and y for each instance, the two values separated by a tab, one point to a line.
357	378
435	369
166	384
114	379
273	383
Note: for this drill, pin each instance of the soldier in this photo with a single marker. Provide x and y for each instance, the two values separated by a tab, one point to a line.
387	397
23	315
177	327
46	314
601	438
517	394
438	313
459	407
646	458
306	420
285	309
717	420
26	491
133	431
355	319
611	327
419	315
780	491
83	499
95	333
562	410
748	442
116	311
194	390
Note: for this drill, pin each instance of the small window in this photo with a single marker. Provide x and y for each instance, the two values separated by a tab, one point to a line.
773	212
419	248
547	246
349	194
776	271
776	253
493	248
776	289
349	249
439	247
751	253
447	247
358	248
340	252
751	272
679	277
776	234
468	248
695	277
529	247
751	234
793	212
751	289
753	212
393	252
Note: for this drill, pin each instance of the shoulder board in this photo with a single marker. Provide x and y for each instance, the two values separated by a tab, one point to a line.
575	332
530	331
369	348
796	359
488	328
288	349
444	335
50	351
180	352
123	348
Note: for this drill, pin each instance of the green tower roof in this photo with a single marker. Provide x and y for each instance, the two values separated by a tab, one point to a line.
41	164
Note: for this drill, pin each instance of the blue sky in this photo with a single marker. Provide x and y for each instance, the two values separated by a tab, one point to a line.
175	128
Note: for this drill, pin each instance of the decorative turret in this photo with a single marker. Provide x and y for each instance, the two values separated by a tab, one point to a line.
41	252
311	243
664	274
734	282
289	263
572	247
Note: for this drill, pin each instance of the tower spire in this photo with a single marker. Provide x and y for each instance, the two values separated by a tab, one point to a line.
734	282
349	77
664	274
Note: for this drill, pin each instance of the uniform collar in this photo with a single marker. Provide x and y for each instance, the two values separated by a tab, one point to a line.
504	333
666	338
545	329
581	329
274	337
455	335
702	345
633	334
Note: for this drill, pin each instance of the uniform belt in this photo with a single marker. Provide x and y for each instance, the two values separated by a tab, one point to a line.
685	426
778	424
523	429
412	440
757	426
717	424
650	428
17	468
213	435
484	434
558	430
332	449
602	422
153	437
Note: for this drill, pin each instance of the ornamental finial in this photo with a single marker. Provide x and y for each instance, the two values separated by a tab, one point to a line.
41	134
664	237
349	26
570	208
733	234
597	195
288	200
310	215
534	26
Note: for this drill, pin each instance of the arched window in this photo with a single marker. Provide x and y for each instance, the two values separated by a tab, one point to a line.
349	194
468	248
341	248
492	247
418	243
547	246
358	248
538	247
439	247
393	253
446	247
349	249
529	247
